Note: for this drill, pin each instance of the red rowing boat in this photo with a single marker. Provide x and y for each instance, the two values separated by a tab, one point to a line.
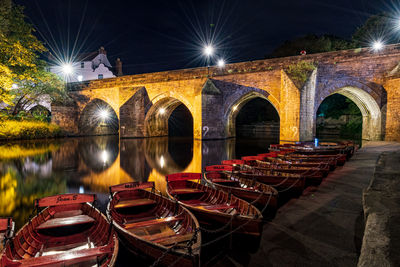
273	158
214	208
150	224
222	177
339	159
68	231
313	175
283	182
6	232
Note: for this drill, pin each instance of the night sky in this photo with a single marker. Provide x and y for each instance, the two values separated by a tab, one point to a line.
151	35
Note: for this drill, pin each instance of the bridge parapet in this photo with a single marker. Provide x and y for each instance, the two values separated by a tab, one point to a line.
374	77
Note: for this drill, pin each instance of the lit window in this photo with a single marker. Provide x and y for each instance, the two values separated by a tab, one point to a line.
100	76
82	65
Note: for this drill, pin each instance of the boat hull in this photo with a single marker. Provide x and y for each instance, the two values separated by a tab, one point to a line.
150	218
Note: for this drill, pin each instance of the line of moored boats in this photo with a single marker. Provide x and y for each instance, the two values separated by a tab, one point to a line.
233	197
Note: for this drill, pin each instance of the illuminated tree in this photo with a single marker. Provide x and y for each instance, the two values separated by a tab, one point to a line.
20	65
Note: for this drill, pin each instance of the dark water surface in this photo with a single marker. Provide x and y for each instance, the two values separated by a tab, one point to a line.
34	169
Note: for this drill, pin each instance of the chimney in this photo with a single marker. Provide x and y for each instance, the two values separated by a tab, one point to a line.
102	51
118	67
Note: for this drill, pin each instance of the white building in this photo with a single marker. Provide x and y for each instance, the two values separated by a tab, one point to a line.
89	66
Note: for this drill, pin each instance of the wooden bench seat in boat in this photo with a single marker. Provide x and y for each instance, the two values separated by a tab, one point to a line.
68	257
207	206
134	202
180	191
217	207
153	222
223	181
174	239
66	221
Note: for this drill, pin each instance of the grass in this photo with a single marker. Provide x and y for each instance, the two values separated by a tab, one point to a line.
12	129
300	71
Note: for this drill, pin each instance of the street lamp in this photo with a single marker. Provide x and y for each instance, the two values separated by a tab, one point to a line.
67	69
377	45
208	50
221	63
162	111
103	114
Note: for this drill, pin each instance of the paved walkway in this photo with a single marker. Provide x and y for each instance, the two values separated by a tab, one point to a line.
324	227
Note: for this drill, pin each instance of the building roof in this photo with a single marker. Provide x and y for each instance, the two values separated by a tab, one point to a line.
100	59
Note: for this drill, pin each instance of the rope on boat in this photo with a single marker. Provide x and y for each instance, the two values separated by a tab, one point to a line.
188	247
227	234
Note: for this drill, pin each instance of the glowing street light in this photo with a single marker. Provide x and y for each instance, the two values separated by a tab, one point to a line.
161	111
221	63
104	156
377	46
104	114
208	50
67	69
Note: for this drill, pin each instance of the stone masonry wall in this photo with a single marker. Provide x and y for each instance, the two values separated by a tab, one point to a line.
361	68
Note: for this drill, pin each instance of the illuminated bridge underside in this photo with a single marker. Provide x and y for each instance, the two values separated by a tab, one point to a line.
142	104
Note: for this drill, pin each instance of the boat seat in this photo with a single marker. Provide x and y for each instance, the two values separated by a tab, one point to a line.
67	258
181	191
223	181
174	239
134	202
66	221
153	222
217	207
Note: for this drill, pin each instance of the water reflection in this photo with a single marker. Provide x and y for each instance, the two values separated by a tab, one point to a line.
30	170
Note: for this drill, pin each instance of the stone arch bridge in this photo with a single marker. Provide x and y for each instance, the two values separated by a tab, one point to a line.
295	86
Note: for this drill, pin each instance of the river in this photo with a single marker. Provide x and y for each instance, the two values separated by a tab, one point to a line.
34	169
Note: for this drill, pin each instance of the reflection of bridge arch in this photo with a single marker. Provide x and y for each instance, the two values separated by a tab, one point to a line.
158	156
158	117
98	118
98	153
365	99
234	108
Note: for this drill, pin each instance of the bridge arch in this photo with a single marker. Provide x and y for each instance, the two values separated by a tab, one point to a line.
159	119
98	118
233	109
366	99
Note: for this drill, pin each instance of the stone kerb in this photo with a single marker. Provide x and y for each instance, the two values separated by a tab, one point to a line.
381	204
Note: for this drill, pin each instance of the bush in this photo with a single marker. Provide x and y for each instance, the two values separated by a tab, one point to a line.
11	129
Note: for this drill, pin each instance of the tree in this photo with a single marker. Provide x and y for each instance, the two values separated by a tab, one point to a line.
20	63
43	85
311	44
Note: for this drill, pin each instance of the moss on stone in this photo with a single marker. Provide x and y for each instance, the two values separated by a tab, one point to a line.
300	71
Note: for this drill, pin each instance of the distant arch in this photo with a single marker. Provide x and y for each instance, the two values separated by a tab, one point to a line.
157	121
98	118
366	100
234	108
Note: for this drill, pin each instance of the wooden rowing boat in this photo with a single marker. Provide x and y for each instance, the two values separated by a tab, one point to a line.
6	232
341	153
273	158
214	208
283	182
340	159
152	225
312	174
68	231
263	196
